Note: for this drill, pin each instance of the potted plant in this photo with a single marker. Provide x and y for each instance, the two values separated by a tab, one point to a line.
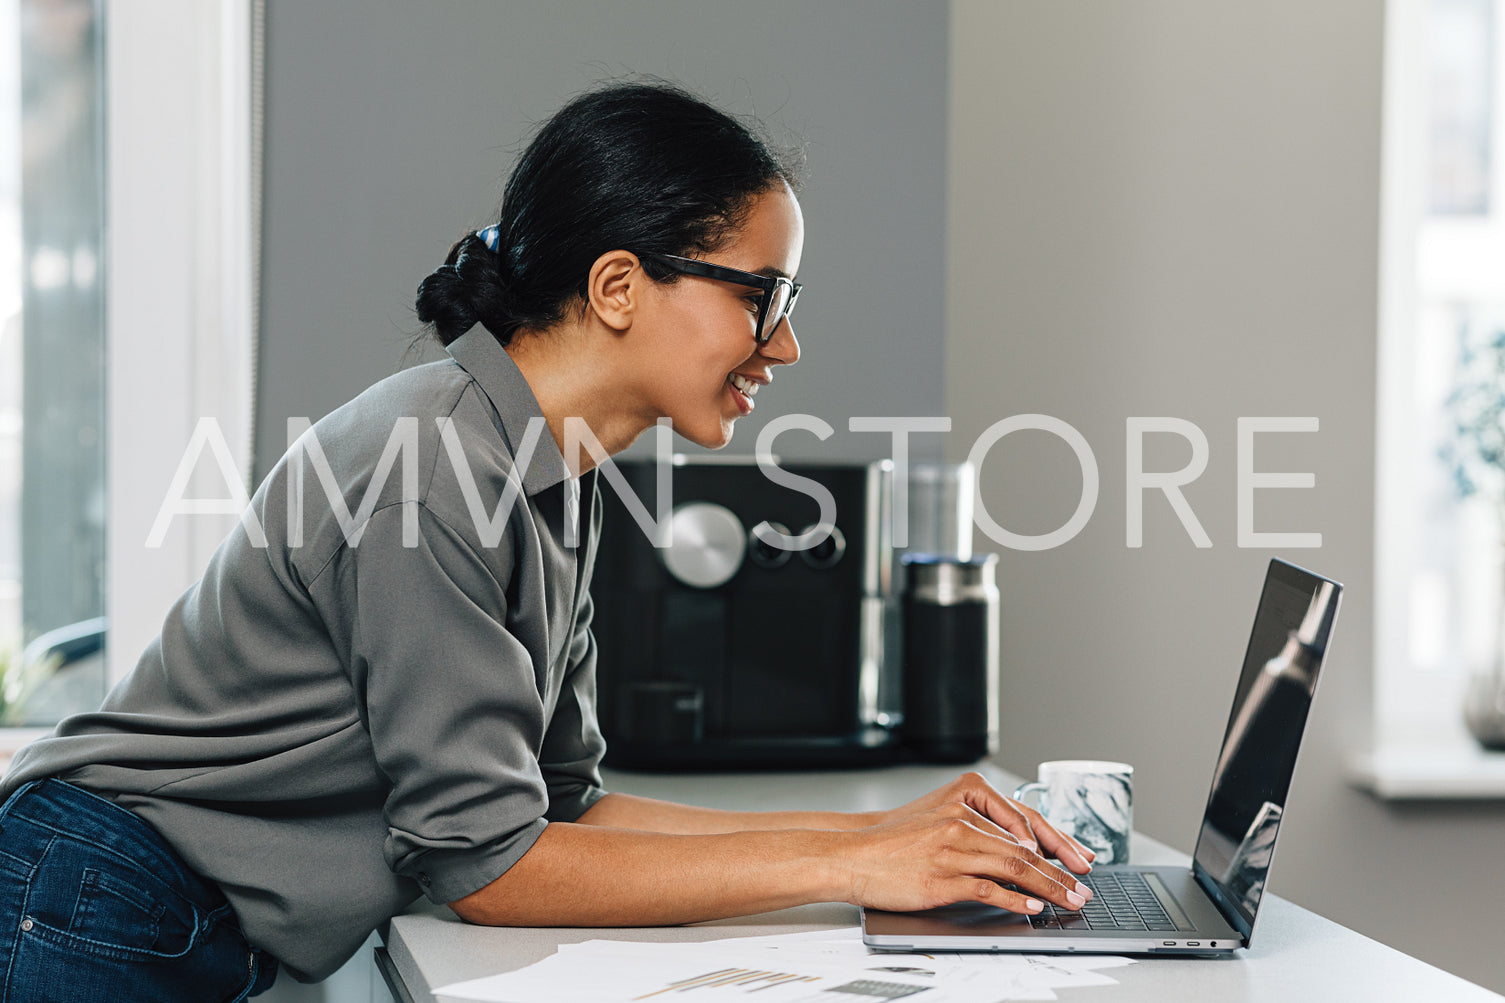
1476	456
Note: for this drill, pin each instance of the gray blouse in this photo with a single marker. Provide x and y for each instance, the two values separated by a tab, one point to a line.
343	719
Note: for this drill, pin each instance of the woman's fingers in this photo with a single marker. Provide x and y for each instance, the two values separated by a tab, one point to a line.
976	845
950	853
994	894
1026	824
996	854
1014	827
1059	845
1005	811
1048	882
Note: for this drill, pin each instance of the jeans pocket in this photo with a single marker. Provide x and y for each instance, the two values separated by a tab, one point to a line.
116	913
98	904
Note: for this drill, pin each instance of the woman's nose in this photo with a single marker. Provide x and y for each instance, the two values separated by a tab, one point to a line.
783	348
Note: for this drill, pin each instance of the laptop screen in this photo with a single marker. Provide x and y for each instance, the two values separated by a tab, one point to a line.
1258	758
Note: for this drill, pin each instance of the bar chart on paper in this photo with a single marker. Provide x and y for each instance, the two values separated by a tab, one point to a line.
827	966
725	982
648	981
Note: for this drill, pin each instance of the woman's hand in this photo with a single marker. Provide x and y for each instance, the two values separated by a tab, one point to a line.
1021	821
928	856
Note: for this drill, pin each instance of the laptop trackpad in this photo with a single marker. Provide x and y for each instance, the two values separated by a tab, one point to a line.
960	919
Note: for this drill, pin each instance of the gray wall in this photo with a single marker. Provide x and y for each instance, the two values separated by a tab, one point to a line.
1154	209
1171	208
391	127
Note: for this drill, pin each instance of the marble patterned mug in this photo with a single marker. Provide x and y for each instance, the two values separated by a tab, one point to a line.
1089	799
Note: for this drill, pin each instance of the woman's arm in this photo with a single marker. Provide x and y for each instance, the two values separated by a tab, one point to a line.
627	811
934	851
591	875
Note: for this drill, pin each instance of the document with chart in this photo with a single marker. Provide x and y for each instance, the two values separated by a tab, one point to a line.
828	966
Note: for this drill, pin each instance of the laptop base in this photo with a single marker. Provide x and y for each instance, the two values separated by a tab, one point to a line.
974	926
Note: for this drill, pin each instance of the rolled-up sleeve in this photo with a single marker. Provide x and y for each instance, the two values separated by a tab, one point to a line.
573	746
452	703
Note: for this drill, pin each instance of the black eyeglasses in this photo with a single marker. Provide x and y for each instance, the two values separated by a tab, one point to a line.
779	293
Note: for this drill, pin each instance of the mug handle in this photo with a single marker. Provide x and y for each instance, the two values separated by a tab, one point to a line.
1025	790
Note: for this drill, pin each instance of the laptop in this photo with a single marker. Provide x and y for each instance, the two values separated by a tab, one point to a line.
1209	908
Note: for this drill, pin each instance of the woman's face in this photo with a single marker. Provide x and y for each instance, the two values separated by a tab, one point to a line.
704	330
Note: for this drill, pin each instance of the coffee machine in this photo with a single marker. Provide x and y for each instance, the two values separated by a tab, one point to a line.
724	650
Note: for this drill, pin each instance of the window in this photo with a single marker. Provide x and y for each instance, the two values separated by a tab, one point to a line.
128	250
1438	600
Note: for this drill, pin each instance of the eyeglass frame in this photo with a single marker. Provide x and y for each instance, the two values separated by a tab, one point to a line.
767	283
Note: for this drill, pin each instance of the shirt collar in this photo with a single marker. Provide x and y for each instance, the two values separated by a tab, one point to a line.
482	356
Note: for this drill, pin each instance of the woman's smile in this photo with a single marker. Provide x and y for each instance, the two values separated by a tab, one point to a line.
743	391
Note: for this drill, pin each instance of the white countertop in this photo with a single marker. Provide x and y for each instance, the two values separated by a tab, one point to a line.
1296	954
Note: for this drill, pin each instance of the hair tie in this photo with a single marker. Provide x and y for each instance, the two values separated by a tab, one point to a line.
490	236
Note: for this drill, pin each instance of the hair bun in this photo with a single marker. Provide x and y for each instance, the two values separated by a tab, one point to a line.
444	302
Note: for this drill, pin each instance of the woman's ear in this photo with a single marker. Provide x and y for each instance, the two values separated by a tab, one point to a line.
615	288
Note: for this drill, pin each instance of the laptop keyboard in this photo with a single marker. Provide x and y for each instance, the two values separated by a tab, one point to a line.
1121	900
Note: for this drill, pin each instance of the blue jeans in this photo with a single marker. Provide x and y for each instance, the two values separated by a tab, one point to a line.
95	905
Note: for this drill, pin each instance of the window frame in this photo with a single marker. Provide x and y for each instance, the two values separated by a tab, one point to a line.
184	193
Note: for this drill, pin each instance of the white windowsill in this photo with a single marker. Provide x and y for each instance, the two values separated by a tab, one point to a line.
1413	770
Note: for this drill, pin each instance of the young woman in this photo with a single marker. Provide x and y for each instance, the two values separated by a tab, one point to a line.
383	686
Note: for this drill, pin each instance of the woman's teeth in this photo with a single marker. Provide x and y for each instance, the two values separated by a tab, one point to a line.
745	385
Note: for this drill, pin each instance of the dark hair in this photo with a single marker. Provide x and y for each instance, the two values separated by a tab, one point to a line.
646	167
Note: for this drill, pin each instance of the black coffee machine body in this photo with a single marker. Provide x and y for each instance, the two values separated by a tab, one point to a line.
723	651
